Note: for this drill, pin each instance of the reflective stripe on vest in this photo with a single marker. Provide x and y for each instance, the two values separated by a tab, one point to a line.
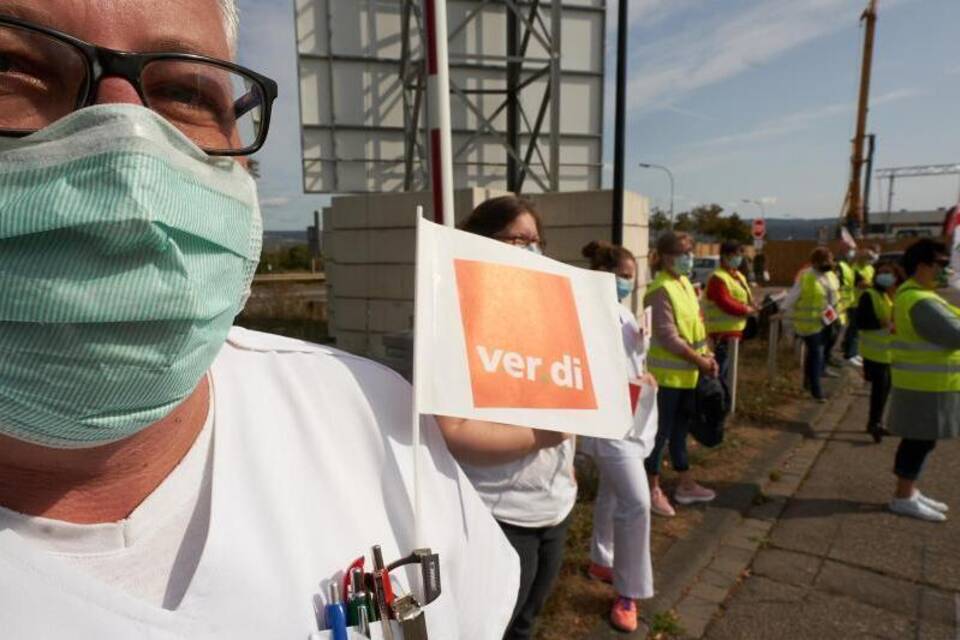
919	365
670	370
717	320
875	344
810	305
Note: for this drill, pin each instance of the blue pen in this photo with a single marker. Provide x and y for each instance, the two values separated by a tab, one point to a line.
336	615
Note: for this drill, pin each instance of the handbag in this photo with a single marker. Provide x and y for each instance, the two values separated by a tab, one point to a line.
712	405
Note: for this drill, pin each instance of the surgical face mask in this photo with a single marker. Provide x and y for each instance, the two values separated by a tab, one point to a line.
534	247
851	255
885	280
624	287
125	254
683	264
735	261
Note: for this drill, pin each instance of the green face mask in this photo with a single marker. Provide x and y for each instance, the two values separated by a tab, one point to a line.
125	254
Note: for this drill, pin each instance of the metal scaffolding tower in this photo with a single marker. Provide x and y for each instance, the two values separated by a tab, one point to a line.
892	173
526	134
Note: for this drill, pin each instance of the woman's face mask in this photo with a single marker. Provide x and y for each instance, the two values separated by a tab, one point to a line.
885	280
683	264
735	261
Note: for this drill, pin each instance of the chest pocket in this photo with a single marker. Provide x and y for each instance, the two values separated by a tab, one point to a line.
440	625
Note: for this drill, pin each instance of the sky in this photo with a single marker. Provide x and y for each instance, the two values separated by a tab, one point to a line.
742	99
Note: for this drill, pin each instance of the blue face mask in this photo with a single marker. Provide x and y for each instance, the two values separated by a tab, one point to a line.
683	264
624	288
125	254
534	247
885	280
735	262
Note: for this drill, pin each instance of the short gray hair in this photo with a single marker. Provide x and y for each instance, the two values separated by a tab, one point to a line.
231	22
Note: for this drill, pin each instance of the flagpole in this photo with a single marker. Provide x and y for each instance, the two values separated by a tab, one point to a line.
415	401
438	92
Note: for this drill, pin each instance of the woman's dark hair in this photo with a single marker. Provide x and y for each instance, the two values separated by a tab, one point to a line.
669	244
923	251
605	256
820	255
729	248
893	267
492	216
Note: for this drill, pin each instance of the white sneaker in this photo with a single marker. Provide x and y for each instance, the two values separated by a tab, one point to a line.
914	508
856	361
936	505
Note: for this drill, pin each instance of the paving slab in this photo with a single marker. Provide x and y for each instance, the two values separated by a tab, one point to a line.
799	569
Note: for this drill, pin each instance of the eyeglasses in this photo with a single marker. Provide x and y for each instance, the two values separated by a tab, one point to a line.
519	240
46	75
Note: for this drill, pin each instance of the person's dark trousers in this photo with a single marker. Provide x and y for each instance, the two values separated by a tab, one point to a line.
674	407
878	375
541	557
911	454
851	338
722	350
831	333
813	365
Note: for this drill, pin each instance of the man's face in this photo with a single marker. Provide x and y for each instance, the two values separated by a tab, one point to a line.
187	26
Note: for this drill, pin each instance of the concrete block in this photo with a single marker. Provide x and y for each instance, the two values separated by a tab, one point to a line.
786	566
390	316
391	282
709	592
352	314
348	212
695	614
375	246
350	281
352	341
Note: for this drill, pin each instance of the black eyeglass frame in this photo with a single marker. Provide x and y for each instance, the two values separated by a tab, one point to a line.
103	62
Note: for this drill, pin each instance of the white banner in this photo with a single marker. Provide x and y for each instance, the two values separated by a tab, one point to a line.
505	335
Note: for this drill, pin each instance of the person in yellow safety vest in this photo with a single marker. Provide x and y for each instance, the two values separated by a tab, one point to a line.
874	318
863	271
678	356
727	304
814	313
848	301
925	367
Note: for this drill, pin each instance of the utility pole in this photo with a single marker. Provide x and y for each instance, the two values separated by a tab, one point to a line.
620	133
854	200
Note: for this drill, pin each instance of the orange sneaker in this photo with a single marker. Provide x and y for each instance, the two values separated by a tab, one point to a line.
600	572
623	615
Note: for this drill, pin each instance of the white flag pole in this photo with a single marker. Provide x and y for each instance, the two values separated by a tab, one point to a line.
415	400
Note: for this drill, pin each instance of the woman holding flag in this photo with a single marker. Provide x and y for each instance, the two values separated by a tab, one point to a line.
525	476
620	549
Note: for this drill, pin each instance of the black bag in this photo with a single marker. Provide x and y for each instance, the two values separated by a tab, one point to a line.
712	406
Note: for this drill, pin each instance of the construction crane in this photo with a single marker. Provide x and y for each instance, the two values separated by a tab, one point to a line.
853	204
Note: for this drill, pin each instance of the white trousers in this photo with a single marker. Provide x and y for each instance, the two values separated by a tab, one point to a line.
621	523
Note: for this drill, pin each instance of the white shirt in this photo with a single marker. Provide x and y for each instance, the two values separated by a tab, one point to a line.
639	441
151	554
311	465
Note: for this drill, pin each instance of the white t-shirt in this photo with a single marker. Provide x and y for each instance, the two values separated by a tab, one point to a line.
151	554
311	464
538	490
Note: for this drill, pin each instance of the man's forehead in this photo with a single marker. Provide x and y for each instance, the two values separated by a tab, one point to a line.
189	26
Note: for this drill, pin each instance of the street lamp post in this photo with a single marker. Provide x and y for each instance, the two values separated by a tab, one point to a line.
649	165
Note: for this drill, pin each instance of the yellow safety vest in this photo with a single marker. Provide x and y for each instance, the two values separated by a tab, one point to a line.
847	290
919	365
865	272
671	370
717	320
809	308
835	286
875	343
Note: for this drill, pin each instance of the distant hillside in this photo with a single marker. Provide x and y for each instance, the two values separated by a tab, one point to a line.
279	240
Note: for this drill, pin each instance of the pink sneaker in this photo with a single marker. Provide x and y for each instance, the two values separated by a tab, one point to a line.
696	493
623	614
660	504
600	572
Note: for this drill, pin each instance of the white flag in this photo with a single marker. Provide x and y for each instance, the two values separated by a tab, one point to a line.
505	335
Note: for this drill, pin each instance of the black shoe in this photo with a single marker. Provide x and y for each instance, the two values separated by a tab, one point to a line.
876	432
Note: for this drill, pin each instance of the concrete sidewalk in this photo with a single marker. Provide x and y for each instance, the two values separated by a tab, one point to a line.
835	564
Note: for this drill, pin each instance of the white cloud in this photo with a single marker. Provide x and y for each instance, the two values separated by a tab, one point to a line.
801	120
729	43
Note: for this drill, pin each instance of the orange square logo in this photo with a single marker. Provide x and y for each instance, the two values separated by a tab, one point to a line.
524	342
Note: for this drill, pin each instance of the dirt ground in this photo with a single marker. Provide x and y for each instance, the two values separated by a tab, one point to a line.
578	603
